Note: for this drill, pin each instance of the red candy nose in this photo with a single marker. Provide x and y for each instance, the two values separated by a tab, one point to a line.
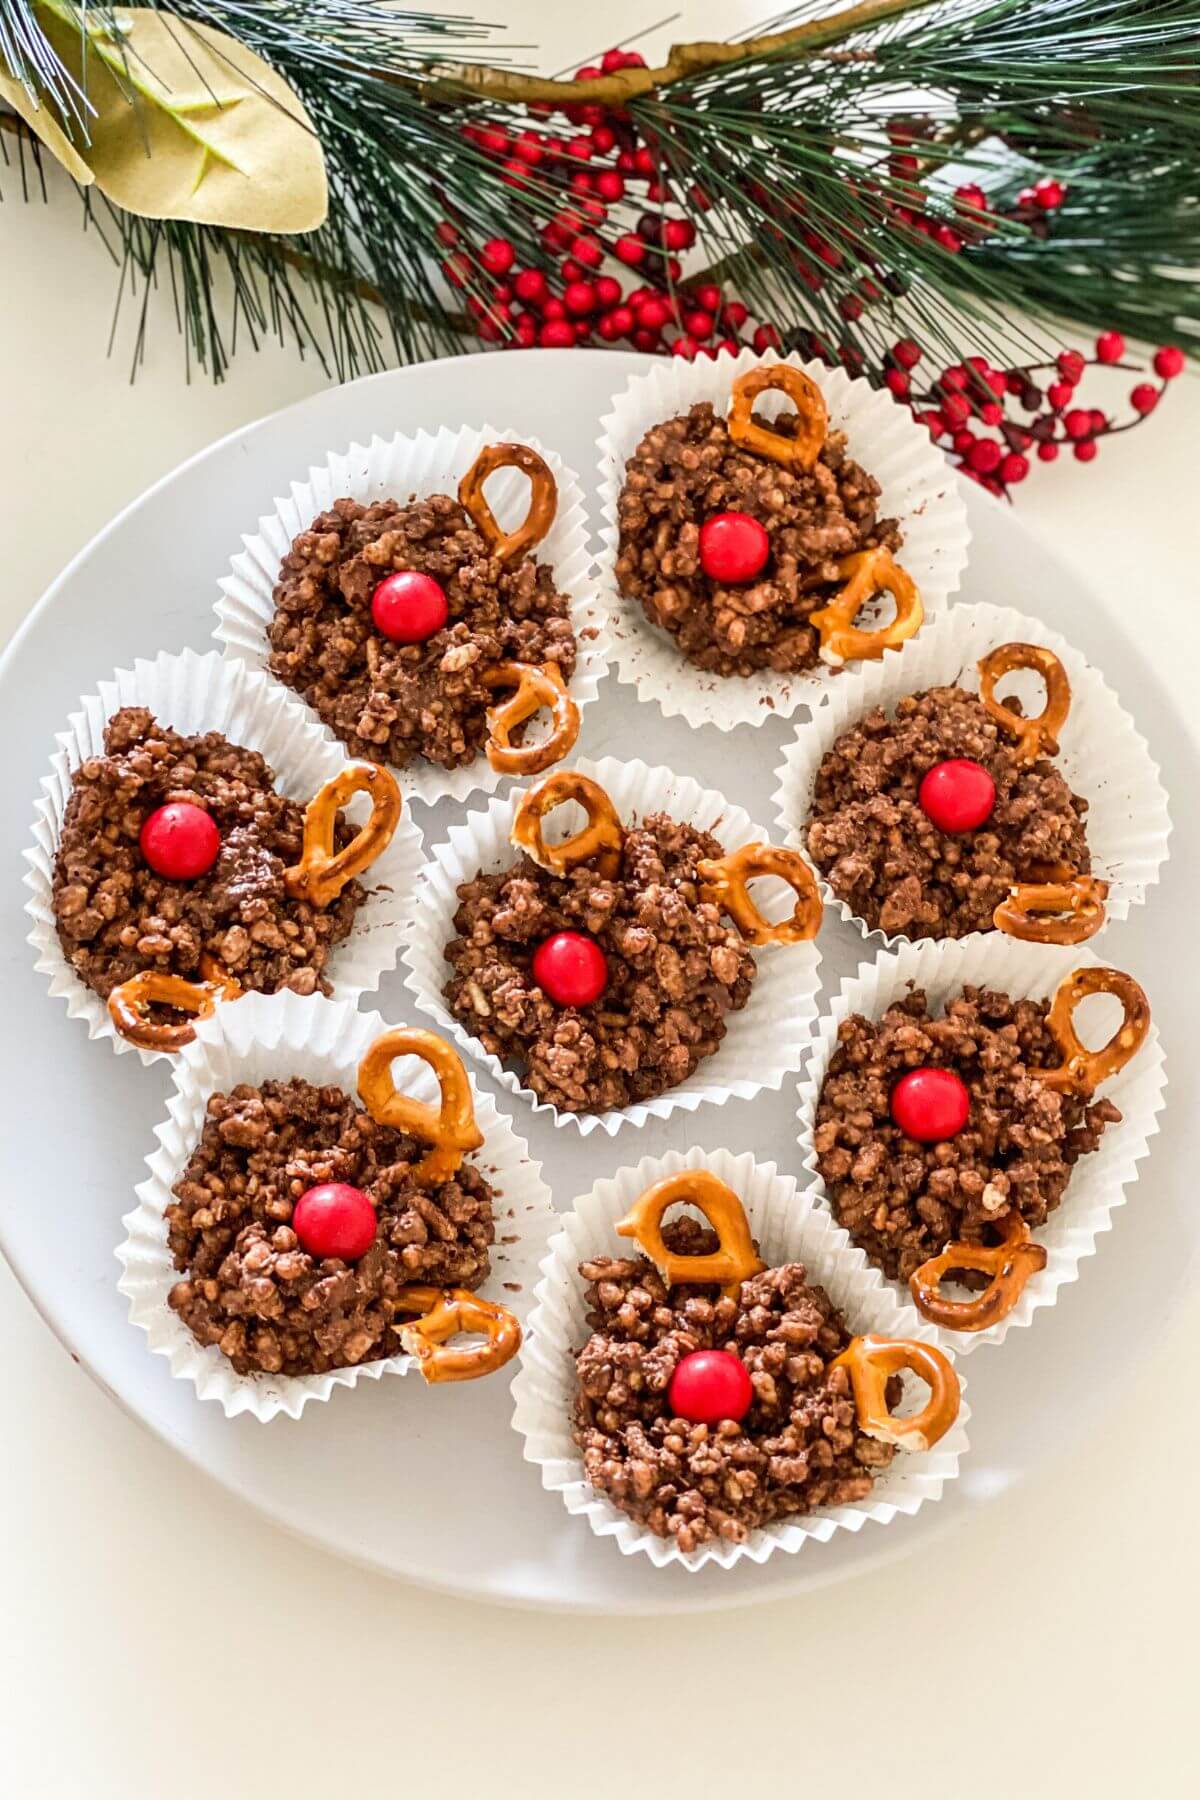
957	795
180	841
570	969
408	607
335	1219
930	1105
733	547
708	1386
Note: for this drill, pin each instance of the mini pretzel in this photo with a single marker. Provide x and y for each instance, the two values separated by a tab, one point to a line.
736	1259
322	873
598	843
799	452
871	1362
1010	1263
443	1315
1081	1071
543	499
1030	909
536	688
450	1127
723	883
129	1004
1037	736
865	574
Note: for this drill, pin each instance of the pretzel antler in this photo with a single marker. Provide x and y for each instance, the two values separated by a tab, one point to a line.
450	1127
1053	912
444	1315
536	688
865	574
724	884
799	452
322	873
732	1263
543	499
1081	1071
1037	736
600	841
1010	1264
870	1362
129	1004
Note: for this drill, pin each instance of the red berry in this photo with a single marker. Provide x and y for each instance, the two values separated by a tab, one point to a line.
1049	193
1060	394
1110	347
652	314
1144	398
1168	362
589	251
609	185
643	161
766	337
733	547
409	607
608	290
972	195
530	286
1071	366
734	315
180	841
557	334
699	324
497	256
334	1220
991	412
645	340
492	139
948	238
1047	452
571	270
930	1105
954	379
679	234
958	795
934	423
708	1386
984	456
956	409
1014	468
553	308
580	147
579	297
1087	452
907	353
527	147
604	139
570	969
685	347
897	381
1077	423
446	233
629	249
1026	198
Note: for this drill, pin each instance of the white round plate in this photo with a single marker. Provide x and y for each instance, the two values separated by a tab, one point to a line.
430	1485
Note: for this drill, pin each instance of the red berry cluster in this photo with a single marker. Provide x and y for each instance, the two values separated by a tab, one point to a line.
992	420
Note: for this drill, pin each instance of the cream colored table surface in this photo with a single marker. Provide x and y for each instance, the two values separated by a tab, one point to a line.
159	1640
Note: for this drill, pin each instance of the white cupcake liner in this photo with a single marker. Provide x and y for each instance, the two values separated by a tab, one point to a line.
261	1038
788	1227
919	489
1102	757
762	1043
196	693
1023	971
395	469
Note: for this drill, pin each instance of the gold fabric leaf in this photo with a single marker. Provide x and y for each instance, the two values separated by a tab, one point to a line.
43	124
189	124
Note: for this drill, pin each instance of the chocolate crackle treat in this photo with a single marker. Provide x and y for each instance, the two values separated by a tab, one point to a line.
401	624
716	1395
312	1233
944	1140
948	816
756	544
602	968
182	875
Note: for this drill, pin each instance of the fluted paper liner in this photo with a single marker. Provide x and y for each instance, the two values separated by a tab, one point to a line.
262	1038
1102	756
788	1227
1022	971
194	694
762	1043
919	489
397	469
